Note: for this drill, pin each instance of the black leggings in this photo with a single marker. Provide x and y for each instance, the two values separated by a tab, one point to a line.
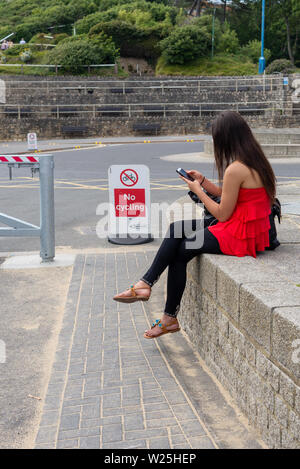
184	240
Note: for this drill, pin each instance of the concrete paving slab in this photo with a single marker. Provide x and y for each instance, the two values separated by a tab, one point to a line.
35	262
195	157
32	306
126	391
292	208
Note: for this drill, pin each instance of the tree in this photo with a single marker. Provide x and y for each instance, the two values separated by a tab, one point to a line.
185	44
76	52
224	9
290	11
281	25
197	6
228	41
253	51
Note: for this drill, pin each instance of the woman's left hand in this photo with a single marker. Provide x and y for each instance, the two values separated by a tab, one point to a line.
194	186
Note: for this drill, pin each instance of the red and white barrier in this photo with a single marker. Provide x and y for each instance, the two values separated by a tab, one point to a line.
18	159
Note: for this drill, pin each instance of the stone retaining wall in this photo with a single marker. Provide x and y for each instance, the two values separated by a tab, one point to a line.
271	150
243	316
46	125
13	128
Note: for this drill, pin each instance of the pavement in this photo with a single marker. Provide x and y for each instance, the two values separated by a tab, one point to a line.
31	315
51	145
79	373
111	388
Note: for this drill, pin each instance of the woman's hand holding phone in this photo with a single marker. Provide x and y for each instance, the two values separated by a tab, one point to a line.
196	175
193	185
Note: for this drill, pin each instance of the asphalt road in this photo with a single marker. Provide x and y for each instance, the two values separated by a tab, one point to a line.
81	184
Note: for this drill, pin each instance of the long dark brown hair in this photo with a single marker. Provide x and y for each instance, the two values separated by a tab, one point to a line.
234	140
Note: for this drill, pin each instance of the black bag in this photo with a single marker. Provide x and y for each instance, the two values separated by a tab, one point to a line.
275	212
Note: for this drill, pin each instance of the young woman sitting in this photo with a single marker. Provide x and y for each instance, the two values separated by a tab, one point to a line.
247	194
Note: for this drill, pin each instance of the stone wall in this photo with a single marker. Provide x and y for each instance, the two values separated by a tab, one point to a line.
45	126
90	92
271	150
243	316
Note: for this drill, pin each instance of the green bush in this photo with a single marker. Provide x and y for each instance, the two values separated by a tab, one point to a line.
15	50
161	13
80	8
43	40
84	25
60	37
163	2
137	17
228	42
39	39
28	30
119	31
131	40
57	15
105	5
185	44
5	31
253	51
280	65
73	54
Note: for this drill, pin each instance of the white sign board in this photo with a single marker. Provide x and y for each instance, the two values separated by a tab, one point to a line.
32	141
2	92
129	197
2	352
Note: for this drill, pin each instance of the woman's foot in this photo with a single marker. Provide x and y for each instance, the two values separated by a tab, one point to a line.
141	291
166	325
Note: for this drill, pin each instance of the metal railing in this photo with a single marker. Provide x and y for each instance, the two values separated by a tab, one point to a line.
128	110
44	165
265	83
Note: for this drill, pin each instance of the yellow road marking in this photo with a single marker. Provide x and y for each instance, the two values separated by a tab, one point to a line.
24	182
82	186
27	186
167	186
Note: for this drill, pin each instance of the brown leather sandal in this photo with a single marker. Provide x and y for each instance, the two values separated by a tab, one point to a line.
134	296
164	330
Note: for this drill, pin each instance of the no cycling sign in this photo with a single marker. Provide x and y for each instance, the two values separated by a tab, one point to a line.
129	197
129	177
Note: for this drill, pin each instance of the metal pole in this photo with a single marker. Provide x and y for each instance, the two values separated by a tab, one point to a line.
47	223
262	60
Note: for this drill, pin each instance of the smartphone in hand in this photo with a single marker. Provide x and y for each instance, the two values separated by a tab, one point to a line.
183	173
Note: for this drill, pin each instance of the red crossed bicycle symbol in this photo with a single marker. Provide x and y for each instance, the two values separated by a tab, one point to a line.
129	177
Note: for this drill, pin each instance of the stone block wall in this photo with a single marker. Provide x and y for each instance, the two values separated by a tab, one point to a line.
244	318
82	91
271	150
48	126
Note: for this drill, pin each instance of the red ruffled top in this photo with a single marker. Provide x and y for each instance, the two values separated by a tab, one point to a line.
247	230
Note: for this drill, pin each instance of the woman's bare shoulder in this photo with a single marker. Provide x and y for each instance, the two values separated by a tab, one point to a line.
237	167
247	176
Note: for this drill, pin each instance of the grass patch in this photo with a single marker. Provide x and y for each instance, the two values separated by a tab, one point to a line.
220	65
41	71
41	58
